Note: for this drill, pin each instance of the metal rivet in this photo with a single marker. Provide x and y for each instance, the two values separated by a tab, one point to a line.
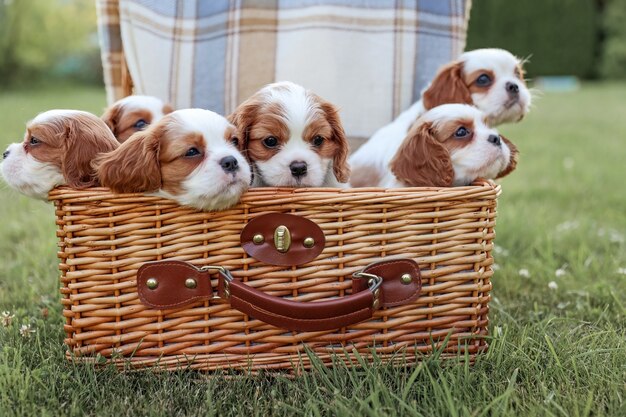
152	283
308	242
258	239
191	283
376	304
406	279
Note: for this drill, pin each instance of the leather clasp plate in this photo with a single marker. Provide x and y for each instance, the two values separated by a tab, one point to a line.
402	281
282	239
172	284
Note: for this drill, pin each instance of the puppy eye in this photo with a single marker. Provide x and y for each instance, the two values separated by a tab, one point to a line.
270	142
235	141
483	80
140	124
192	152
461	132
318	140
34	141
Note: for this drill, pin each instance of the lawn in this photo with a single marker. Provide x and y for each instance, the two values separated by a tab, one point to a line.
558	314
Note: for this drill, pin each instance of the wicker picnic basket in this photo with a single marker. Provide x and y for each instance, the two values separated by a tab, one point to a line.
437	241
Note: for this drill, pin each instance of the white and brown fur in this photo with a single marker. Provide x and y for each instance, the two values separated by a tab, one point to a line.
311	148
133	114
188	156
58	148
504	99
450	145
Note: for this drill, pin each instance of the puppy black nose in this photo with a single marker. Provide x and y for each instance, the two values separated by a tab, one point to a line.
512	88
495	139
229	164
298	168
5	154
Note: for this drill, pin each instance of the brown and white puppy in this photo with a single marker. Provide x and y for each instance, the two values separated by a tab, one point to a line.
292	138
58	148
450	145
133	114
189	156
490	79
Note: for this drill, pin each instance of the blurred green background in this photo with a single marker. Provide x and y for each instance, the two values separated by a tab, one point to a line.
48	41
585	38
52	40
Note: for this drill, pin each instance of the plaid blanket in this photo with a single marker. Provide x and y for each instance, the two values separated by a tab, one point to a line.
370	57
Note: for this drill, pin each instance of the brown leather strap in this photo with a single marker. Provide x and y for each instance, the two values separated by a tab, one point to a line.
307	317
163	284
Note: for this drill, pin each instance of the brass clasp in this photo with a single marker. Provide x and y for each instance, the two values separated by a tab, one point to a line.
282	239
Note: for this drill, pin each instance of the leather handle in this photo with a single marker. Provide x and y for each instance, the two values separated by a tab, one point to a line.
293	315
167	284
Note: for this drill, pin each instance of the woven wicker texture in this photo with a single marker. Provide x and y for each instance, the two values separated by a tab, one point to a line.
104	238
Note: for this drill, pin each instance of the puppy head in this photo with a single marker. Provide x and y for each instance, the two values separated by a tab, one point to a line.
188	156
293	137
133	114
58	148
452	145
490	79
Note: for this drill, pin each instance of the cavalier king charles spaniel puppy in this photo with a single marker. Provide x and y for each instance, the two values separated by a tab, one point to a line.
450	145
292	138
133	114
189	156
490	79
58	148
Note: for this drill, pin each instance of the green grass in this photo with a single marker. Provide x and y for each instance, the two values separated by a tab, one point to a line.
555	352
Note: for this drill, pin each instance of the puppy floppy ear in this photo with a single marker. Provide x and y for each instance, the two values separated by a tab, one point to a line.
243	118
422	161
447	87
167	108
134	166
86	137
512	159
341	168
112	118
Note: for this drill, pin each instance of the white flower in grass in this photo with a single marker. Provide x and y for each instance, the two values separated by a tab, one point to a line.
621	271
560	272
553	285
6	318
26	331
567	226
568	163
549	397
613	235
616	237
498	331
524	273
495	267
499	250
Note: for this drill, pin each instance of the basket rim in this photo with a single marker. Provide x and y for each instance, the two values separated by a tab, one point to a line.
65	192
